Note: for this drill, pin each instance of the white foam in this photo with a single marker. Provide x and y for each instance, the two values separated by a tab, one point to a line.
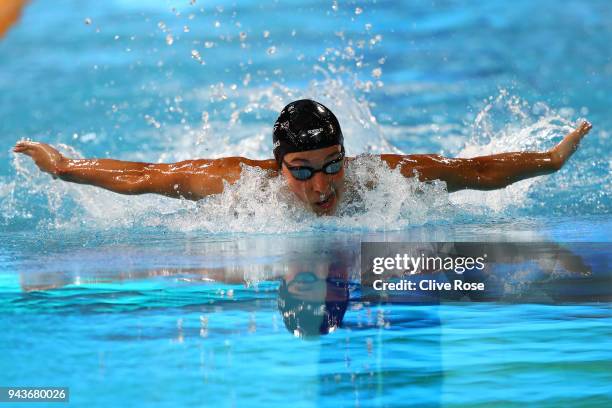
509	124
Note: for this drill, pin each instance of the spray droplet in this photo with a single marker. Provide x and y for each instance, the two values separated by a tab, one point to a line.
335	5
358	10
377	72
266	34
192	2
271	50
217	24
209	44
116	37
151	121
246	80
196	56
88	21
185	29
169	39
243	36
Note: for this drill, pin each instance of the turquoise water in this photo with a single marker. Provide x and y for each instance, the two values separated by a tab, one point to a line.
131	325
135	301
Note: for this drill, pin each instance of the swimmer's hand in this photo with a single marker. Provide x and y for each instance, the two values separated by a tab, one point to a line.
561	152
46	157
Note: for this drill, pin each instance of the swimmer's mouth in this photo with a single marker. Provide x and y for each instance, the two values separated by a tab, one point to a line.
327	202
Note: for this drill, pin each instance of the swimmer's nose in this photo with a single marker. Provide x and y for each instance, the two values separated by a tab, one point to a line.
320	184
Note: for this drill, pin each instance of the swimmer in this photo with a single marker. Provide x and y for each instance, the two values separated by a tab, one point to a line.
308	147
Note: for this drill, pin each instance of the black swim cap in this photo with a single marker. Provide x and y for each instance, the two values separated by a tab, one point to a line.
305	125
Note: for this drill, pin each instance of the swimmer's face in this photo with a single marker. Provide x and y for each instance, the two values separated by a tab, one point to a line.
322	191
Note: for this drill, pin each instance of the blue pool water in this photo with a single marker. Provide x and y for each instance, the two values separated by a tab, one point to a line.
135	301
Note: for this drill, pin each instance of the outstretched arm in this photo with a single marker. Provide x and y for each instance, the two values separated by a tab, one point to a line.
488	172
191	179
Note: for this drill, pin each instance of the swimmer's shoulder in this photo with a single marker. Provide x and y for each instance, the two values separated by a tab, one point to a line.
234	164
225	167
384	157
269	166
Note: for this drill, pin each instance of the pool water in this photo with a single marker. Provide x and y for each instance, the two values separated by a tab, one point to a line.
133	324
142	300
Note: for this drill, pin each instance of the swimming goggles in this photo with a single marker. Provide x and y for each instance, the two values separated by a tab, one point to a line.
304	173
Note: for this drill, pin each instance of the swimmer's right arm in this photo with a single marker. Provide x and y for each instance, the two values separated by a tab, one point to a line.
489	172
190	179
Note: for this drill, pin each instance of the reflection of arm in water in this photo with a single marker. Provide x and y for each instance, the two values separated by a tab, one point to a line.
40	281
549	256
488	172
192	179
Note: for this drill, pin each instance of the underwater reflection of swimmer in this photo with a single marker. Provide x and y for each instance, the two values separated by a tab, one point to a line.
313	303
309	155
317	287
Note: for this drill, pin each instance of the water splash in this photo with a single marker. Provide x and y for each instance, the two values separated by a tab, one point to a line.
507	123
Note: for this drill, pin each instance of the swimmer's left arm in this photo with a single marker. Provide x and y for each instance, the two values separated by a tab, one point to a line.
489	172
190	179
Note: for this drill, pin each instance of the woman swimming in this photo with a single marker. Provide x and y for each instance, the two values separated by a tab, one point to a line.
309	155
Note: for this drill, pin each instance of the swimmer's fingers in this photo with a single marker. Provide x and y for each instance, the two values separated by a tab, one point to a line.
46	157
576	136
569	144
581	131
585	127
21	147
28	147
